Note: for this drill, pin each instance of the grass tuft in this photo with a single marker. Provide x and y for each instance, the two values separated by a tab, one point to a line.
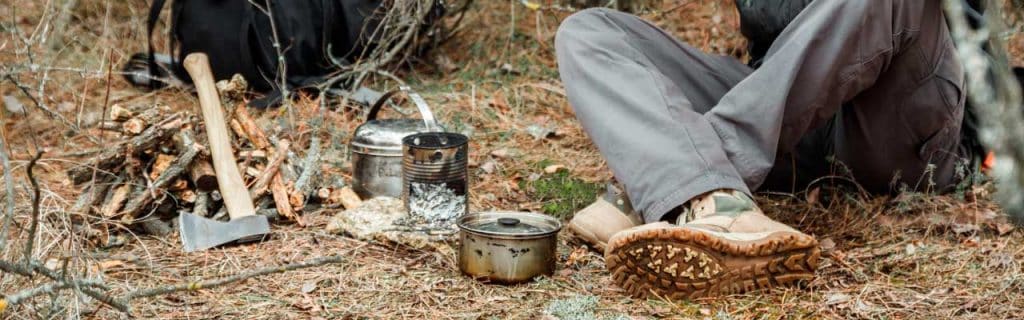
561	193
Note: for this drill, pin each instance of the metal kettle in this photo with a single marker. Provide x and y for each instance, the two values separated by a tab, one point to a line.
376	147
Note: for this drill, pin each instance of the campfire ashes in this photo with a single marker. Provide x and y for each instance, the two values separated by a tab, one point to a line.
434	171
433	206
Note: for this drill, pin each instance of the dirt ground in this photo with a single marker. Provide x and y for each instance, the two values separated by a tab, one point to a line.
913	256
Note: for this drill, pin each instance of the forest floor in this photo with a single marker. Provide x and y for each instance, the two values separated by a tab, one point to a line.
913	256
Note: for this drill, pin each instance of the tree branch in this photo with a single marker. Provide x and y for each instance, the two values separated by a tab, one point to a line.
194	286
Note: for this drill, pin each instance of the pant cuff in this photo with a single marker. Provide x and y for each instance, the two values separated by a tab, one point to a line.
690	189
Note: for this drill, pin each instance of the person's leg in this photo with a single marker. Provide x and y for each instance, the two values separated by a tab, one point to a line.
833	52
639	95
903	132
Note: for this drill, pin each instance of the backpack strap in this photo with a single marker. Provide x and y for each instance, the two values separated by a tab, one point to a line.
154	16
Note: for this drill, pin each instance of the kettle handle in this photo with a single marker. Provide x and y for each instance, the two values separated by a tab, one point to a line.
421	105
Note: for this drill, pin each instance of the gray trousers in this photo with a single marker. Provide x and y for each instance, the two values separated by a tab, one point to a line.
873	86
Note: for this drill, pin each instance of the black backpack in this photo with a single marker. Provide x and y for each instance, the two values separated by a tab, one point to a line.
237	36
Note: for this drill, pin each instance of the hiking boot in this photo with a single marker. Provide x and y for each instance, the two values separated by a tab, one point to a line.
722	244
610	214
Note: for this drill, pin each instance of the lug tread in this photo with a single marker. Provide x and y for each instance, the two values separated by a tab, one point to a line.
682	263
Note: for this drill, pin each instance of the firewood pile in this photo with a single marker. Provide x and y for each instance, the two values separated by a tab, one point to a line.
157	165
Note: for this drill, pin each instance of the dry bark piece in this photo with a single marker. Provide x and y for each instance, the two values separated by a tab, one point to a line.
347	197
117	199
263	179
252	171
253	154
178	185
90	196
202	204
160	164
187	196
236	127
156	227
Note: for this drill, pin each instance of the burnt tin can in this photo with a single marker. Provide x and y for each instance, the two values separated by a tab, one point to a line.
434	175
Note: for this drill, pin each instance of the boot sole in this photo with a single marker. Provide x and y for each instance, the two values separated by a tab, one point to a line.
682	263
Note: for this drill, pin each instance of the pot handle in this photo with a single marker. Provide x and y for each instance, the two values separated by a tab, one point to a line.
421	105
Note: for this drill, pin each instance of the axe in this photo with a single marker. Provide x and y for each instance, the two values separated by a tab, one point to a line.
199	233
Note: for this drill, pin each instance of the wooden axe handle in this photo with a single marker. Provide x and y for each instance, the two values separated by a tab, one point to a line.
229	180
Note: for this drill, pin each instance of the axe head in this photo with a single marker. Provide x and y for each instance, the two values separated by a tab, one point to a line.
198	233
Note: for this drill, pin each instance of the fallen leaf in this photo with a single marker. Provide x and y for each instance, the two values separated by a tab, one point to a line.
308	287
489	166
911	249
836	298
553	168
565	273
812	196
500	153
1004	228
110	264
965	228
827	245
13	105
540	132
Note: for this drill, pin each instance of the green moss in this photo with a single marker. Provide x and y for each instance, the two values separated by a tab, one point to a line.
562	195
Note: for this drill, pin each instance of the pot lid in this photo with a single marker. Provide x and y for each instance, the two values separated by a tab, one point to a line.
506	224
386	134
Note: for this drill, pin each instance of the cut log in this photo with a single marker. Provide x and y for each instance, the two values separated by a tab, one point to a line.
280	194
119	113
139	123
304	185
114	157
259	186
202	204
117	199
188	151
91	195
202	175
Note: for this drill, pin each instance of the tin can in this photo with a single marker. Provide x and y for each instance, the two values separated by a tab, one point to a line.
434	172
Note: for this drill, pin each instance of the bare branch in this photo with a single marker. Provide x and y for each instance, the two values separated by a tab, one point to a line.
9	183
50	288
194	286
34	226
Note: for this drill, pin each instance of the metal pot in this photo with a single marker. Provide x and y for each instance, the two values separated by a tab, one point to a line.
376	147
508	247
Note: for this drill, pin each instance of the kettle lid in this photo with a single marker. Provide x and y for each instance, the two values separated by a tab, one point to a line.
385	134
